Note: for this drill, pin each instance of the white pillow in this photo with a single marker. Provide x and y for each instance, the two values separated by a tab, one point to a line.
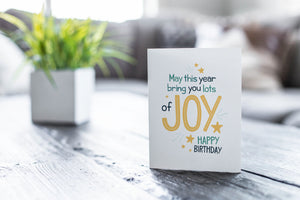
12	60
260	69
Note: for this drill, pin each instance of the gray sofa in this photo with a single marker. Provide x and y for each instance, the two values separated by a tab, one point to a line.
281	106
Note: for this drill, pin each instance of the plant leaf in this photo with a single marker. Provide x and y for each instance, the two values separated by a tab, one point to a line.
103	67
116	67
118	54
100	32
15	21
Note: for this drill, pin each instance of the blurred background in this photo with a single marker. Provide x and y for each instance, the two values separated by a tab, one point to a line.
267	31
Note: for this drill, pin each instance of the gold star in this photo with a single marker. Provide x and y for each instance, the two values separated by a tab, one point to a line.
167	96
217	127
182	146
189	139
196	64
201	70
190	150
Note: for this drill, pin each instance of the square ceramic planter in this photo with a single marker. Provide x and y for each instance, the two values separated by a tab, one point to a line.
68	102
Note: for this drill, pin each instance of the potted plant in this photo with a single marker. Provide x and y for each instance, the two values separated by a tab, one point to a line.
63	55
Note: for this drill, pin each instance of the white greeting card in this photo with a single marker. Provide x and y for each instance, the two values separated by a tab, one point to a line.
195	109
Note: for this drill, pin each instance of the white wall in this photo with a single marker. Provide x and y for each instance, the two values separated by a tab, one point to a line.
288	7
206	7
229	7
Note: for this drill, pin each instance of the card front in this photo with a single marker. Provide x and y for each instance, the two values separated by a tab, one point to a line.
195	109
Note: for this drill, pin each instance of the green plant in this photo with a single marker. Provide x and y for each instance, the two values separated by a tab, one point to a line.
69	44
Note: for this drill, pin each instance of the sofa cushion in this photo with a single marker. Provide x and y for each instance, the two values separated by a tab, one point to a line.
269	38
176	33
161	33
260	70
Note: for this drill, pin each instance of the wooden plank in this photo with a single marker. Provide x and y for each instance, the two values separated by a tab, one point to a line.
129	162
35	166
109	156
267	149
119	142
271	150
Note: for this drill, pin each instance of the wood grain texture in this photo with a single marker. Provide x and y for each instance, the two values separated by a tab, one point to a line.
272	150
108	158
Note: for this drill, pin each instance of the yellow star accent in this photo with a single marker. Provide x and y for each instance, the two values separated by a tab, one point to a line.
196	65
189	139
190	150
201	70
217	127
182	146
167	96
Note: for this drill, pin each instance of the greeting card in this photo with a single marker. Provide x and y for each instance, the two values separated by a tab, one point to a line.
195	109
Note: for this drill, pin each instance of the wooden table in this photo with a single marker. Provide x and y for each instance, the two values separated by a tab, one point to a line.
108	158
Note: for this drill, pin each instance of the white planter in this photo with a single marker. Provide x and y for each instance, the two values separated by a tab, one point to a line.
68	103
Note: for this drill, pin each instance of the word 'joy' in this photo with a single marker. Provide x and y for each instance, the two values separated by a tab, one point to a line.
211	113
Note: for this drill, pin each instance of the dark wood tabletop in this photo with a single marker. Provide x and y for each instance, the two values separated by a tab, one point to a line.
107	158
